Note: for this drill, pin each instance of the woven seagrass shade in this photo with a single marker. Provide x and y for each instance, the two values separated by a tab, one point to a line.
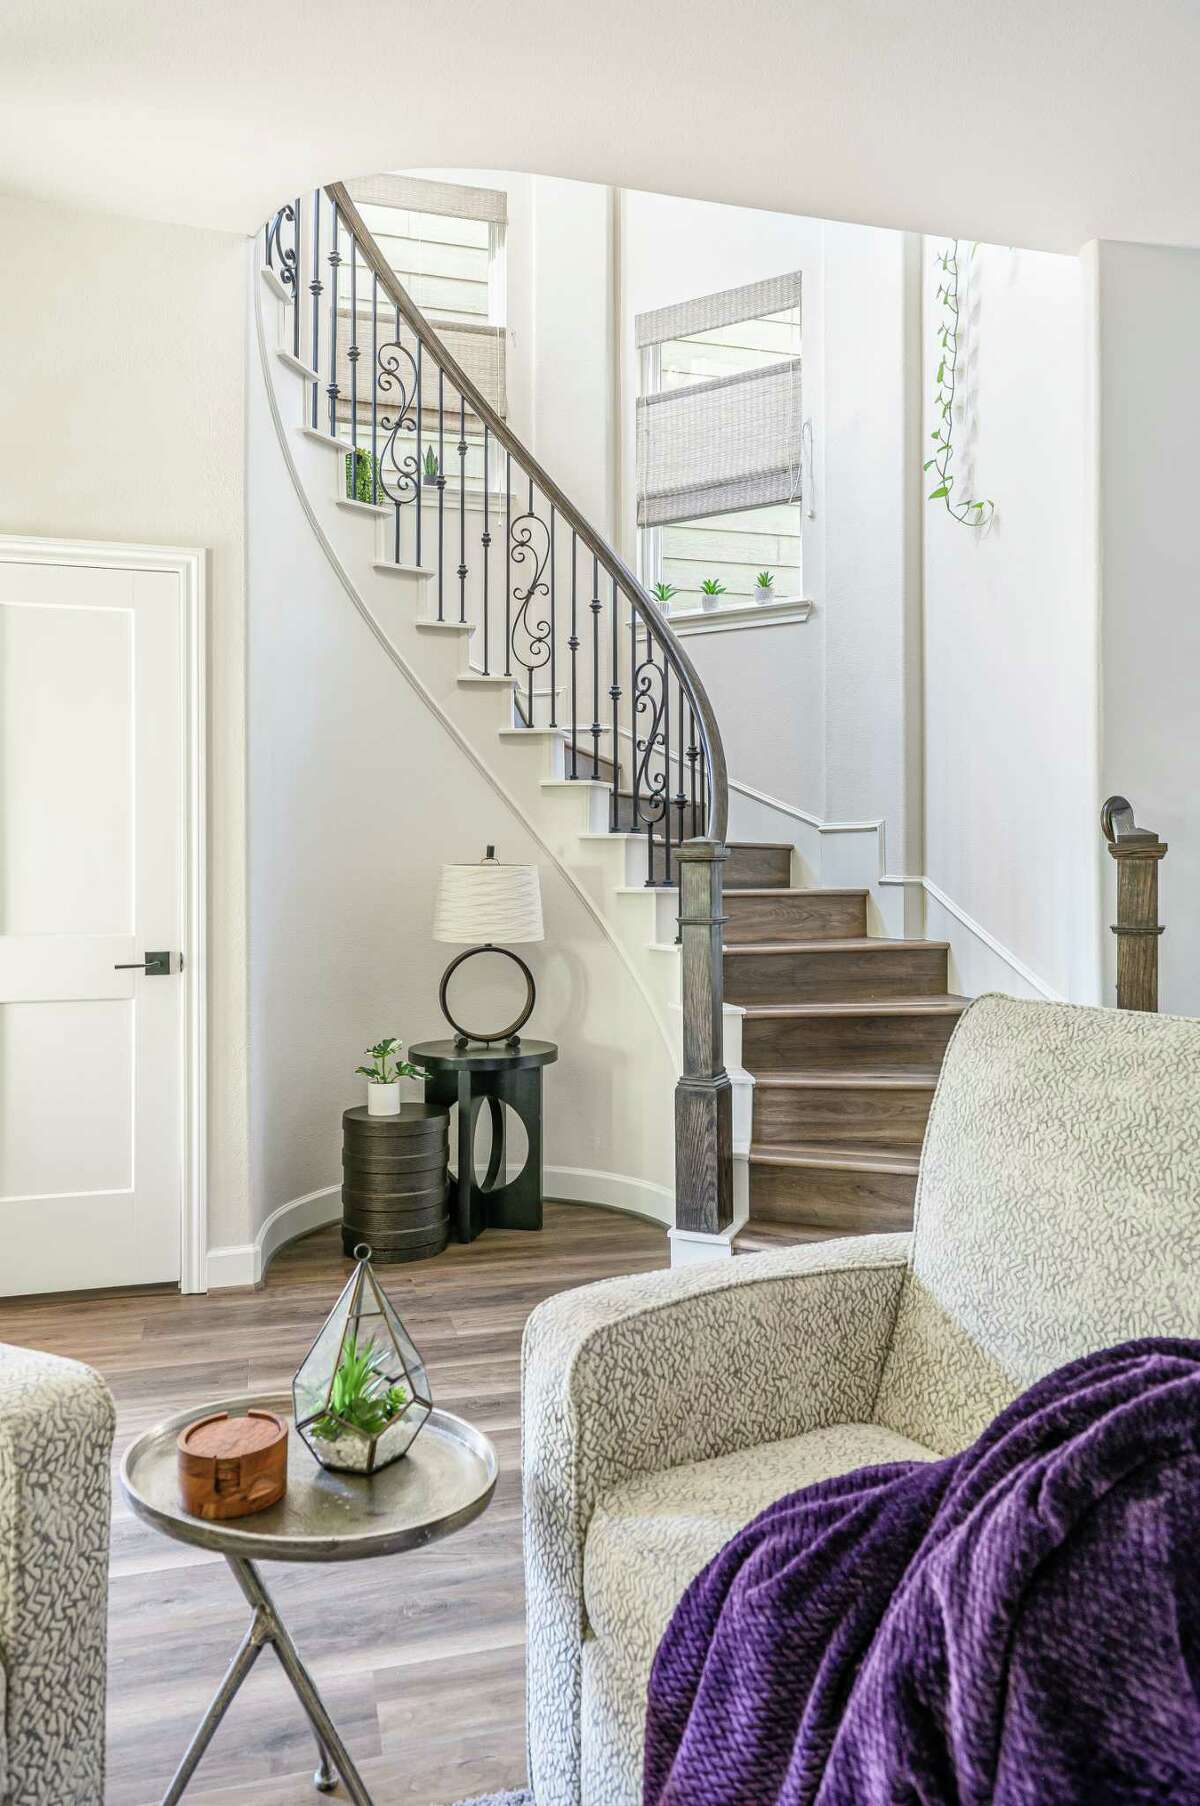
493	906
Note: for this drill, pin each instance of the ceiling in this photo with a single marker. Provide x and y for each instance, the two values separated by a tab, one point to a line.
1034	122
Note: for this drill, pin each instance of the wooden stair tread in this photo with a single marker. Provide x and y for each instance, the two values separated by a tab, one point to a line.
800	890
855	943
758	1235
837	1156
861	1006
917	1078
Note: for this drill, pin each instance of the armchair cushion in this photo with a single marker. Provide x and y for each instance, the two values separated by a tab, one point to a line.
56	1430
650	1538
634	1376
1057	1212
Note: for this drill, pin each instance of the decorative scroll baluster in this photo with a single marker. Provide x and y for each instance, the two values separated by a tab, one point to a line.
595	606
680	797
530	550
486	542
666	751
573	645
289	256
352	355
315	289
462	507
334	262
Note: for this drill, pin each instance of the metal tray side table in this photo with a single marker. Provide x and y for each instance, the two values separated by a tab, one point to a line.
496	1075
446	1479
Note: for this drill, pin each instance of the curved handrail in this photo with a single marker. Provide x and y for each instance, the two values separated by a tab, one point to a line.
717	819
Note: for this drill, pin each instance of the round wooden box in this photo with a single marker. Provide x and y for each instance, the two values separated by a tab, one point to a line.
232	1466
396	1182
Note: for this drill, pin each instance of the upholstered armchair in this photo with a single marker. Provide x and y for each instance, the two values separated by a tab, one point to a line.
1058	1210
56	1431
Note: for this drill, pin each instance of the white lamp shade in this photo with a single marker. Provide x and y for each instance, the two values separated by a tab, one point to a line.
488	902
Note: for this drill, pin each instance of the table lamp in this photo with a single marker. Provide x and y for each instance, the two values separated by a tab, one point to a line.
488	903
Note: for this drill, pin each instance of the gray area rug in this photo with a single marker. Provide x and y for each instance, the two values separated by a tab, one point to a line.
522	1797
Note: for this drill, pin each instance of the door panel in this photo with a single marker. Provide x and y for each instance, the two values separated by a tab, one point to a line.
92	818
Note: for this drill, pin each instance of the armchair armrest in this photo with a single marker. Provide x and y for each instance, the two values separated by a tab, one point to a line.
56	1431
635	1375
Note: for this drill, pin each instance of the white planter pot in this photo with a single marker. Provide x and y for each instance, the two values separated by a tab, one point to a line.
383	1100
764	595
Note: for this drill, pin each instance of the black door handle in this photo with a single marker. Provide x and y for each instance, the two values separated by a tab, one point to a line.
155	965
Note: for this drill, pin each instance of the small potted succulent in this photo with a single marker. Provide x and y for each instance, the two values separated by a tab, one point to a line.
662	593
710	589
430	466
764	586
383	1076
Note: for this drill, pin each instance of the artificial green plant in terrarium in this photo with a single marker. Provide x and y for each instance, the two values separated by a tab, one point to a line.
361	1394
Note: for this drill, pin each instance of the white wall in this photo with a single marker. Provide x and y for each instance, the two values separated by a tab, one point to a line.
1010	654
122	419
1147	375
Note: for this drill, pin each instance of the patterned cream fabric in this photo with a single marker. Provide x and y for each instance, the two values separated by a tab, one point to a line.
635	1376
56	1430
648	1539
1058	1207
1058	1210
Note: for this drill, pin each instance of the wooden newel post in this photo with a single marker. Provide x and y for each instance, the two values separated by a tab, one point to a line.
1137	852
703	1095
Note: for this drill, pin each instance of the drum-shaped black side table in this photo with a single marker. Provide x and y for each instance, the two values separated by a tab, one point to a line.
497	1075
395	1182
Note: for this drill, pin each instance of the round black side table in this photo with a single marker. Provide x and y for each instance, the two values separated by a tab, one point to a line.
496	1075
395	1182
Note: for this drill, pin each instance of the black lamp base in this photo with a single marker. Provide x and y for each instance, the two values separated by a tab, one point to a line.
465	1037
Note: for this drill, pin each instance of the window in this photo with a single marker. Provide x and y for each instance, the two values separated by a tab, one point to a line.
445	241
719	441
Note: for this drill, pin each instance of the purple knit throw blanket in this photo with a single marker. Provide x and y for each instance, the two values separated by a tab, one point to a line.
1018	1625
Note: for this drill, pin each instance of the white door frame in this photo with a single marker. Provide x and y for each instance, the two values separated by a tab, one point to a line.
190	565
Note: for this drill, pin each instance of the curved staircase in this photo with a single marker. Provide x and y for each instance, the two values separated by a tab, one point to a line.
561	679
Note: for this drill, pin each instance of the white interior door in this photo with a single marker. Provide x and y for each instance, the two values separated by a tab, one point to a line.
93	829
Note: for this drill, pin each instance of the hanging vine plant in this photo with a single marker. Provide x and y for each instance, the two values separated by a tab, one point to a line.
970	513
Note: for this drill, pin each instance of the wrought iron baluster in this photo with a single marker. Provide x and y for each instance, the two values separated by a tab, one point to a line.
614	691
297	256
634	709
666	749
441	489
375	391
573	644
594	605
553	624
420	460
316	289
529	545
693	753
334	261
508	626
680	798
486	543
462	507
352	354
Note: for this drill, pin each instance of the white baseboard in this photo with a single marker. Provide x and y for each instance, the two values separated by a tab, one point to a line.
245	1263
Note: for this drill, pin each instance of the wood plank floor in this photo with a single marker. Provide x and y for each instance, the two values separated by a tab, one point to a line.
419	1656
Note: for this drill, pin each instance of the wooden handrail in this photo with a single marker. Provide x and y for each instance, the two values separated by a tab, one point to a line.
1137	852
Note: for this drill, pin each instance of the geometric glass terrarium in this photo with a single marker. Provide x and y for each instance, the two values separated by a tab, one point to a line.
361	1393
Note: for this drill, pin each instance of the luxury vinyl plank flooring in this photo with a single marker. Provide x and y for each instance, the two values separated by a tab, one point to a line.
420	1656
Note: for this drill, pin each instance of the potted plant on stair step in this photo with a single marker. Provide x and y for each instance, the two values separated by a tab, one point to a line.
383	1076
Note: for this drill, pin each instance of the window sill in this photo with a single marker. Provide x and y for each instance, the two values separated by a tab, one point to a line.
781	613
